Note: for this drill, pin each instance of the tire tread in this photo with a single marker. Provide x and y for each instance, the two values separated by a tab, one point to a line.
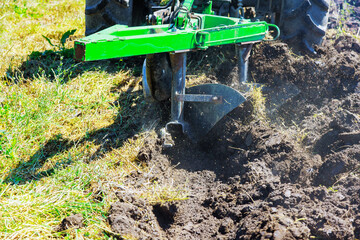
96	8
313	26
301	21
304	7
323	4
106	13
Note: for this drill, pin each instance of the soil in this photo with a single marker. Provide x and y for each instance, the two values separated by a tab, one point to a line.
292	175
73	221
345	15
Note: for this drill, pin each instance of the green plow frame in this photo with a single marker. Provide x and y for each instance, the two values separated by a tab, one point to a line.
203	31
194	111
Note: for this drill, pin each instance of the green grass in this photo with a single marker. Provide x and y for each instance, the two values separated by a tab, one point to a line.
23	22
65	128
52	151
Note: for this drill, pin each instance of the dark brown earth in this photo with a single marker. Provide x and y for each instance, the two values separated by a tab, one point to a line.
292	175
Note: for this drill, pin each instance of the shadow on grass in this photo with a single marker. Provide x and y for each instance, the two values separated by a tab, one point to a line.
129	121
60	66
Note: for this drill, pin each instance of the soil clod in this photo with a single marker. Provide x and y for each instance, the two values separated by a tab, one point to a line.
73	221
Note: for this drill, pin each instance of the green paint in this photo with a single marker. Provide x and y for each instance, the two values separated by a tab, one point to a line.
198	32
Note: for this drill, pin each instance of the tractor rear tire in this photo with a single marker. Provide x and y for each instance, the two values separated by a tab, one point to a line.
101	14
304	23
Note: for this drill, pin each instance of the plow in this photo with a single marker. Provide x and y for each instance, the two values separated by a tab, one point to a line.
170	32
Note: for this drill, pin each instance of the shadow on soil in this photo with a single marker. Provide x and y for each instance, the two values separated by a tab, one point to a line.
212	152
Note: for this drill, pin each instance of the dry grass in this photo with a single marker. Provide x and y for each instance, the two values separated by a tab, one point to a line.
156	193
64	126
258	102
23	22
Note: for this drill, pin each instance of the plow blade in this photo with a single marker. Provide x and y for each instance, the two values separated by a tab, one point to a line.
202	116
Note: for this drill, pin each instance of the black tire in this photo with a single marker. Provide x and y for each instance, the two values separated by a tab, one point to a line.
304	23
159	75
227	8
101	14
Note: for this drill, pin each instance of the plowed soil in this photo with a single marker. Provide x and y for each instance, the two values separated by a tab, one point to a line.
292	175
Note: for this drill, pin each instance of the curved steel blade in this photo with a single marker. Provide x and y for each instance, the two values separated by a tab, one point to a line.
202	116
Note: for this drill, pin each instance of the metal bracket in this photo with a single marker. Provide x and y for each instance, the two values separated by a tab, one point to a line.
199	98
196	112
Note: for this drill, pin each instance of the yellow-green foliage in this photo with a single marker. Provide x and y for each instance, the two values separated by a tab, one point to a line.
34	112
156	193
63	126
23	22
258	101
51	153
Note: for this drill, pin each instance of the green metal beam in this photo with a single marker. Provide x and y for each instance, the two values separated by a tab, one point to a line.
203	31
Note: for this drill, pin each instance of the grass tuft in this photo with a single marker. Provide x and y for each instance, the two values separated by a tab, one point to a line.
161	193
258	102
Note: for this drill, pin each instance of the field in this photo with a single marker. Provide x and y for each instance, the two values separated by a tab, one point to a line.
80	155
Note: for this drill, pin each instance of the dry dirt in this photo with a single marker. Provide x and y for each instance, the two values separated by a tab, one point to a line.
345	15
293	175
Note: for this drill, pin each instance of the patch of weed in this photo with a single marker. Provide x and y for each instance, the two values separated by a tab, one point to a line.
64	127
161	193
258	102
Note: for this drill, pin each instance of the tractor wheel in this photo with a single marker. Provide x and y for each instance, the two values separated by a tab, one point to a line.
101	14
304	22
158	76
